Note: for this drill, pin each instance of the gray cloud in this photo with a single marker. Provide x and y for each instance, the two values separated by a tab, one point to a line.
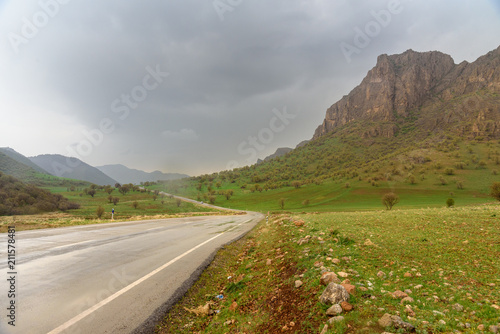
225	76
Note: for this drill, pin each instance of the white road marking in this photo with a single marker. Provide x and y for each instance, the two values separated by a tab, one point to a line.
76	243
94	308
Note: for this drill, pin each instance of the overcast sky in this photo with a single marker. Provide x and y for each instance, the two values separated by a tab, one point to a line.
197	86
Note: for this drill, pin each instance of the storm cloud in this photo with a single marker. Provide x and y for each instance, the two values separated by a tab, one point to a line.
183	86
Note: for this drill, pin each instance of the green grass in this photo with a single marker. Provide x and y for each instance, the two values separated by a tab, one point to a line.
148	208
367	183
452	253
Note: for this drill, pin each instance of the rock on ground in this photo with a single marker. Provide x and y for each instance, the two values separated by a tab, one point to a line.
334	294
329	277
334	310
392	320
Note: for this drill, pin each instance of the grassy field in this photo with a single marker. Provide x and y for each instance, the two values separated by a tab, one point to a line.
147	208
440	256
334	196
421	177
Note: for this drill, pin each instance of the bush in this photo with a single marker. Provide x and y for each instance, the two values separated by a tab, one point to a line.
305	202
389	200
450	202
99	212
449	171
495	191
282	203
135	204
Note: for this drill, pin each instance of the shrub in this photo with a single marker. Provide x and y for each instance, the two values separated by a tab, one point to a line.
305	202
450	202
178	202
442	180
99	212
135	204
389	200
282	203
449	171
460	185
495	191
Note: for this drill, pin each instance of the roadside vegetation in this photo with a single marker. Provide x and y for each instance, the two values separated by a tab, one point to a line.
19	198
444	259
94	204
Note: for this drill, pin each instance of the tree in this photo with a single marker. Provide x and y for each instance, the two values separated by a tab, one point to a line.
124	189
135	204
282	203
296	184
228	193
116	200
110	199
495	190
178	202
99	212
450	202
91	192
389	200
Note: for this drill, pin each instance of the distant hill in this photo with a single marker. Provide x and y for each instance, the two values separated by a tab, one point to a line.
279	153
17	169
72	168
124	174
22	159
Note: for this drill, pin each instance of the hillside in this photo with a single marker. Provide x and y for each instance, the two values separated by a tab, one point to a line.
12	167
21	159
418	125
18	198
72	168
127	175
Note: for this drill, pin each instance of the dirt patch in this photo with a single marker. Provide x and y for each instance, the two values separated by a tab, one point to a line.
288	307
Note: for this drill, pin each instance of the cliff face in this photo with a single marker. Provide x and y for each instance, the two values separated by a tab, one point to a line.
412	83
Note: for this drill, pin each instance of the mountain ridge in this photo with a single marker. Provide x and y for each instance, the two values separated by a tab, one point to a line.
123	174
56	164
399	86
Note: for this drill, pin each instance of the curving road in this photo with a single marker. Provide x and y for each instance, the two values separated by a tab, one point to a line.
109	278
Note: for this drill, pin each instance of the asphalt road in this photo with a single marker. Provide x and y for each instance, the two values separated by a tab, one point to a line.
108	278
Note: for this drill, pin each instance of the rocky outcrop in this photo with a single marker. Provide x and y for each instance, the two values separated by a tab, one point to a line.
428	87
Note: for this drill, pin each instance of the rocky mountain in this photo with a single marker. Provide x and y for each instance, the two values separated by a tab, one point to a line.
423	90
72	168
127	175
